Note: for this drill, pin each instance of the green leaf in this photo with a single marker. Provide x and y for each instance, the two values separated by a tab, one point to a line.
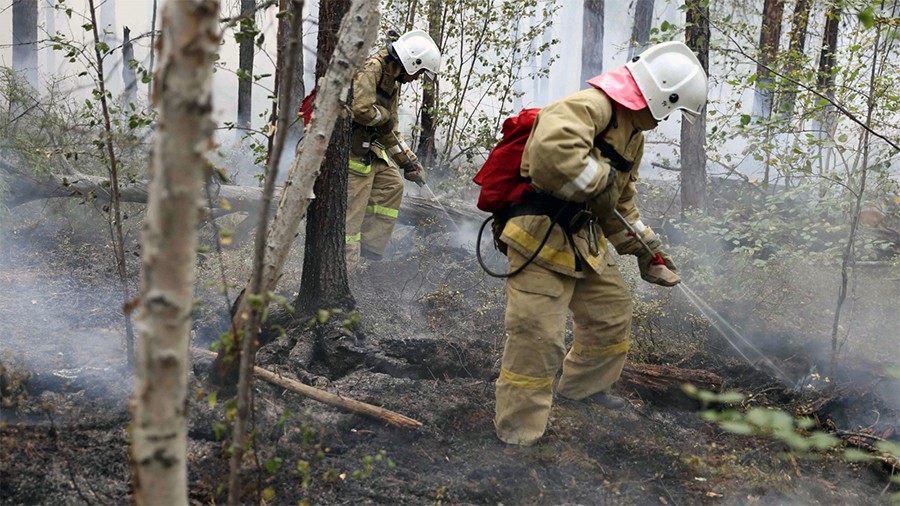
212	399
737	427
272	465
867	17
745	119
854	455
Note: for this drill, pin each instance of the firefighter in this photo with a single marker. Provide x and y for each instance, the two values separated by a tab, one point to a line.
378	153
582	158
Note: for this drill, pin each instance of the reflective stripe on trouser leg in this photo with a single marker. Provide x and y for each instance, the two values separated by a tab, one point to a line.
382	207
536	309
359	186
601	306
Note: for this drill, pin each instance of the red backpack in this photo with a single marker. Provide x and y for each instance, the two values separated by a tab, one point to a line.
500	179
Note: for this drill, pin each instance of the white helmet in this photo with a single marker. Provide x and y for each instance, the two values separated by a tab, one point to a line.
670	77
417	51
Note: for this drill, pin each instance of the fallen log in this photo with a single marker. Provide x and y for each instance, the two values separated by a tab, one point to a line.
25	187
329	398
662	378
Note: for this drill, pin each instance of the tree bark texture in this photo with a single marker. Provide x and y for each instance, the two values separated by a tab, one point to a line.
640	31
796	48
245	66
769	35
324	283
298	91
188	44
693	135
828	54
24	39
355	38
591	40
128	75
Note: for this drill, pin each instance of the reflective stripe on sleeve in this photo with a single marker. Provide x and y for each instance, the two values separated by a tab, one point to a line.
360	167
383	211
580	183
528	382
350	239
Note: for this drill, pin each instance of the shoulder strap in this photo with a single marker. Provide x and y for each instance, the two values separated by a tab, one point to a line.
619	162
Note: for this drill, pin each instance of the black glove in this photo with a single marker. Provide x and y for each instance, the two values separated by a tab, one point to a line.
413	172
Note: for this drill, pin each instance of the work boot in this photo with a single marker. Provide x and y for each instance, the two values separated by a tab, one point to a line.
607	400
604	399
371	255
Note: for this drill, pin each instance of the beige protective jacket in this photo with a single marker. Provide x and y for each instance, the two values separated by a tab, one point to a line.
560	158
376	95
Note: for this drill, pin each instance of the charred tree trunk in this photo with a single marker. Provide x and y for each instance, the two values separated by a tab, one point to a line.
24	39
324	283
640	31
769	36
178	166
245	65
356	36
591	40
693	135
426	148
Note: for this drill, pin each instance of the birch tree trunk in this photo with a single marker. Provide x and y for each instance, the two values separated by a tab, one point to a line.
693	135
355	38
24	39
591	40
188	43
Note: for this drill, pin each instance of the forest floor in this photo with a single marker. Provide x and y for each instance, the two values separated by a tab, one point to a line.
428	347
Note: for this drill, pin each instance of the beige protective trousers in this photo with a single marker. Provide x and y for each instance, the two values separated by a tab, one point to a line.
538	301
374	193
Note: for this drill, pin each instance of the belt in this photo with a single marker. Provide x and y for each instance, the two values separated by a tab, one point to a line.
571	216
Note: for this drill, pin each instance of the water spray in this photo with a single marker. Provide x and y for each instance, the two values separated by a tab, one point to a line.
441	206
718	322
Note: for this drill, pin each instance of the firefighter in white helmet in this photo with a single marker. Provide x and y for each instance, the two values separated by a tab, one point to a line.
583	156
378	153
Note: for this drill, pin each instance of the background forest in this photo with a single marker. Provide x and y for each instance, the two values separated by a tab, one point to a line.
770	375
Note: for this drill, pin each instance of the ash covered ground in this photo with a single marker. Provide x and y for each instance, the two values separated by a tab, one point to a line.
428	347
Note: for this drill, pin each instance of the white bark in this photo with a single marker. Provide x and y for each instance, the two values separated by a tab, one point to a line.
189	41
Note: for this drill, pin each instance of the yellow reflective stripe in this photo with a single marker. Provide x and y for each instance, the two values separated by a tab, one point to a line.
384	211
522	381
517	234
353	238
610	350
360	167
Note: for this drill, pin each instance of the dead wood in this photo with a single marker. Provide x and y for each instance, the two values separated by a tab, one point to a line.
25	187
662	378
329	398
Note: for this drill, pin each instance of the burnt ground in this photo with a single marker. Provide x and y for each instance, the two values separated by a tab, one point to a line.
428	346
